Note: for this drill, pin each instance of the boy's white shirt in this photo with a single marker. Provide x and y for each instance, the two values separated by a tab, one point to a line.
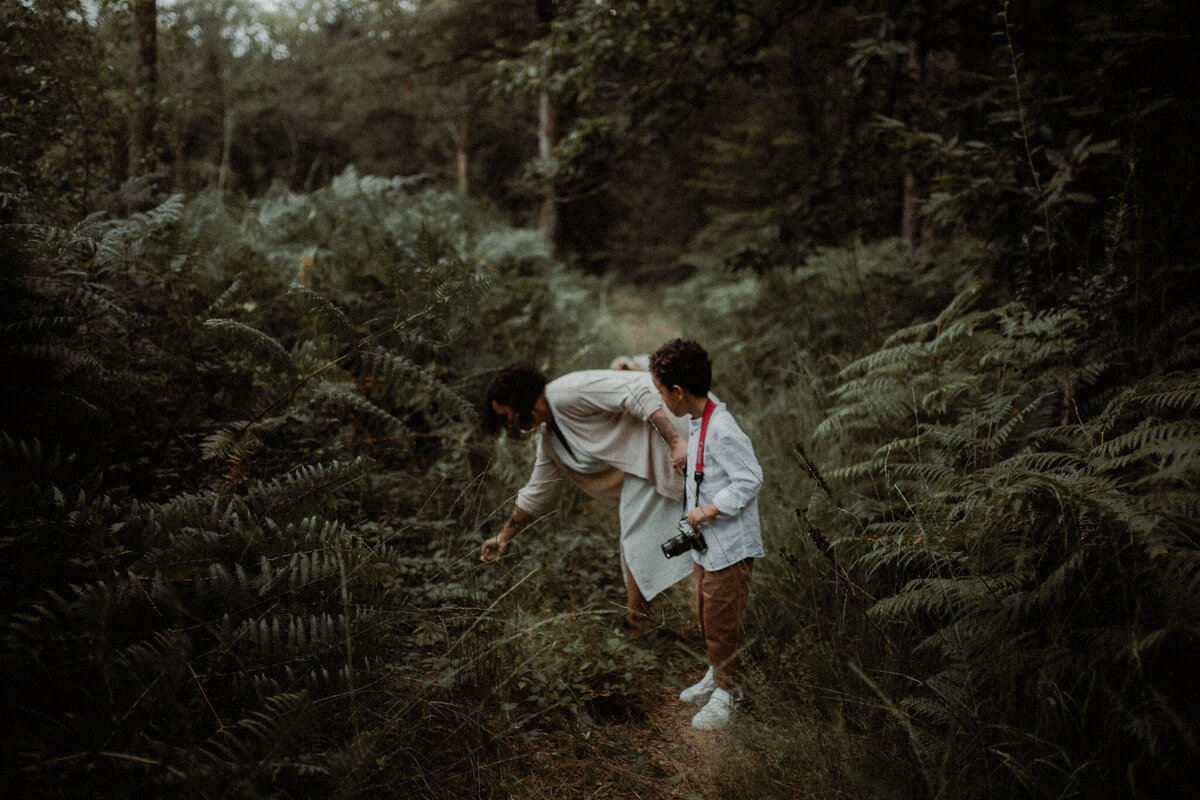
732	480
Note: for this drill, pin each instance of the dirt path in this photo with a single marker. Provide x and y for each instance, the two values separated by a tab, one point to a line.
645	747
642	323
650	751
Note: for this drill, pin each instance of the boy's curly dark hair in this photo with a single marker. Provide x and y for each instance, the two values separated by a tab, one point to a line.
683	362
517	386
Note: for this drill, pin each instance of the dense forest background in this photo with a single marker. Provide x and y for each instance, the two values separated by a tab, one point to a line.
260	258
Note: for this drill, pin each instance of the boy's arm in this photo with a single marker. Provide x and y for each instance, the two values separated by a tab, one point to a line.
701	514
736	455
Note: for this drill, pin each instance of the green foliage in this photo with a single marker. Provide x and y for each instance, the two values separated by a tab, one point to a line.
245	496
1030	545
59	117
237	539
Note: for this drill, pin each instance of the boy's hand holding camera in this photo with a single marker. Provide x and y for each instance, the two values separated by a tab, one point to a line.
701	514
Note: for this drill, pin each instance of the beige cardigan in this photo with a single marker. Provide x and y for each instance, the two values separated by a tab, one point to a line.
606	412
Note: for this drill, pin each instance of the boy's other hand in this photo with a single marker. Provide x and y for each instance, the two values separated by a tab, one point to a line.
698	516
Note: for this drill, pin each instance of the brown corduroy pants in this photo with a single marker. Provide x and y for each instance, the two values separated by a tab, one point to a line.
720	603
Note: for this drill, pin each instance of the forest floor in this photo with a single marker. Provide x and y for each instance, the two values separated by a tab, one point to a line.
641	746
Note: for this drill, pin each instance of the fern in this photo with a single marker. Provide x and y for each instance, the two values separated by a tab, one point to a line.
1016	545
1167	443
306	489
325	312
237	334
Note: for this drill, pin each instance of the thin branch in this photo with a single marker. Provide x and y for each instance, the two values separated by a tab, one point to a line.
1037	181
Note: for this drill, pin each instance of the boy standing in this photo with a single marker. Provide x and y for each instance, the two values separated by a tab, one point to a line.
721	501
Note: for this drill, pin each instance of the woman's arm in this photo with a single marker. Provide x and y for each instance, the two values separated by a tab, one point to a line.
662	423
494	548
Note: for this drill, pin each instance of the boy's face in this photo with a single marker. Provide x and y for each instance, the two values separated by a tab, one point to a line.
672	398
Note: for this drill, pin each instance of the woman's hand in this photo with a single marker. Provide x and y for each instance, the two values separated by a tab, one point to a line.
679	454
493	549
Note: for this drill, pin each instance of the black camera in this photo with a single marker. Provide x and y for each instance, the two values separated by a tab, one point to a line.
687	539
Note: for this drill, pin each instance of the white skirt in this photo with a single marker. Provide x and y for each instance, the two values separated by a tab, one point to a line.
647	520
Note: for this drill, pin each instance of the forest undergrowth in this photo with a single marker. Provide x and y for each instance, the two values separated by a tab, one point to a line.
943	254
245	492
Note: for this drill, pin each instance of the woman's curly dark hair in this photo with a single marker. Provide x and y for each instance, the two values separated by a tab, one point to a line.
683	362
517	386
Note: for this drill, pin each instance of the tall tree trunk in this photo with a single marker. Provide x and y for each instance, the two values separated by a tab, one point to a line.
289	130
910	223
547	134
143	80
226	167
179	151
460	152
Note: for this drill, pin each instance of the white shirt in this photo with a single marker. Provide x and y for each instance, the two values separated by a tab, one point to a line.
732	479
603	415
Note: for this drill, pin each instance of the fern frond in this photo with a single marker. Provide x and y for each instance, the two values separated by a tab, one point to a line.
37	324
1168	442
236	334
19	457
930	711
893	528
940	400
1016	418
865	416
928	475
237	439
124	239
329	316
952	330
904	560
257	741
61	361
1051	462
222	300
90	300
303	490
854	472
406	382
900	357
1179	392
343	402
962	303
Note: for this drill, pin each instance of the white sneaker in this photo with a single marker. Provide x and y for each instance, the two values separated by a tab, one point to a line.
716	711
700	692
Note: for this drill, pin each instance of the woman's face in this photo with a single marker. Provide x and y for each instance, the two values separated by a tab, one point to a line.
515	420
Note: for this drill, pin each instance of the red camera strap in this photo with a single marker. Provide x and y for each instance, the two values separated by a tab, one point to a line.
708	409
699	473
